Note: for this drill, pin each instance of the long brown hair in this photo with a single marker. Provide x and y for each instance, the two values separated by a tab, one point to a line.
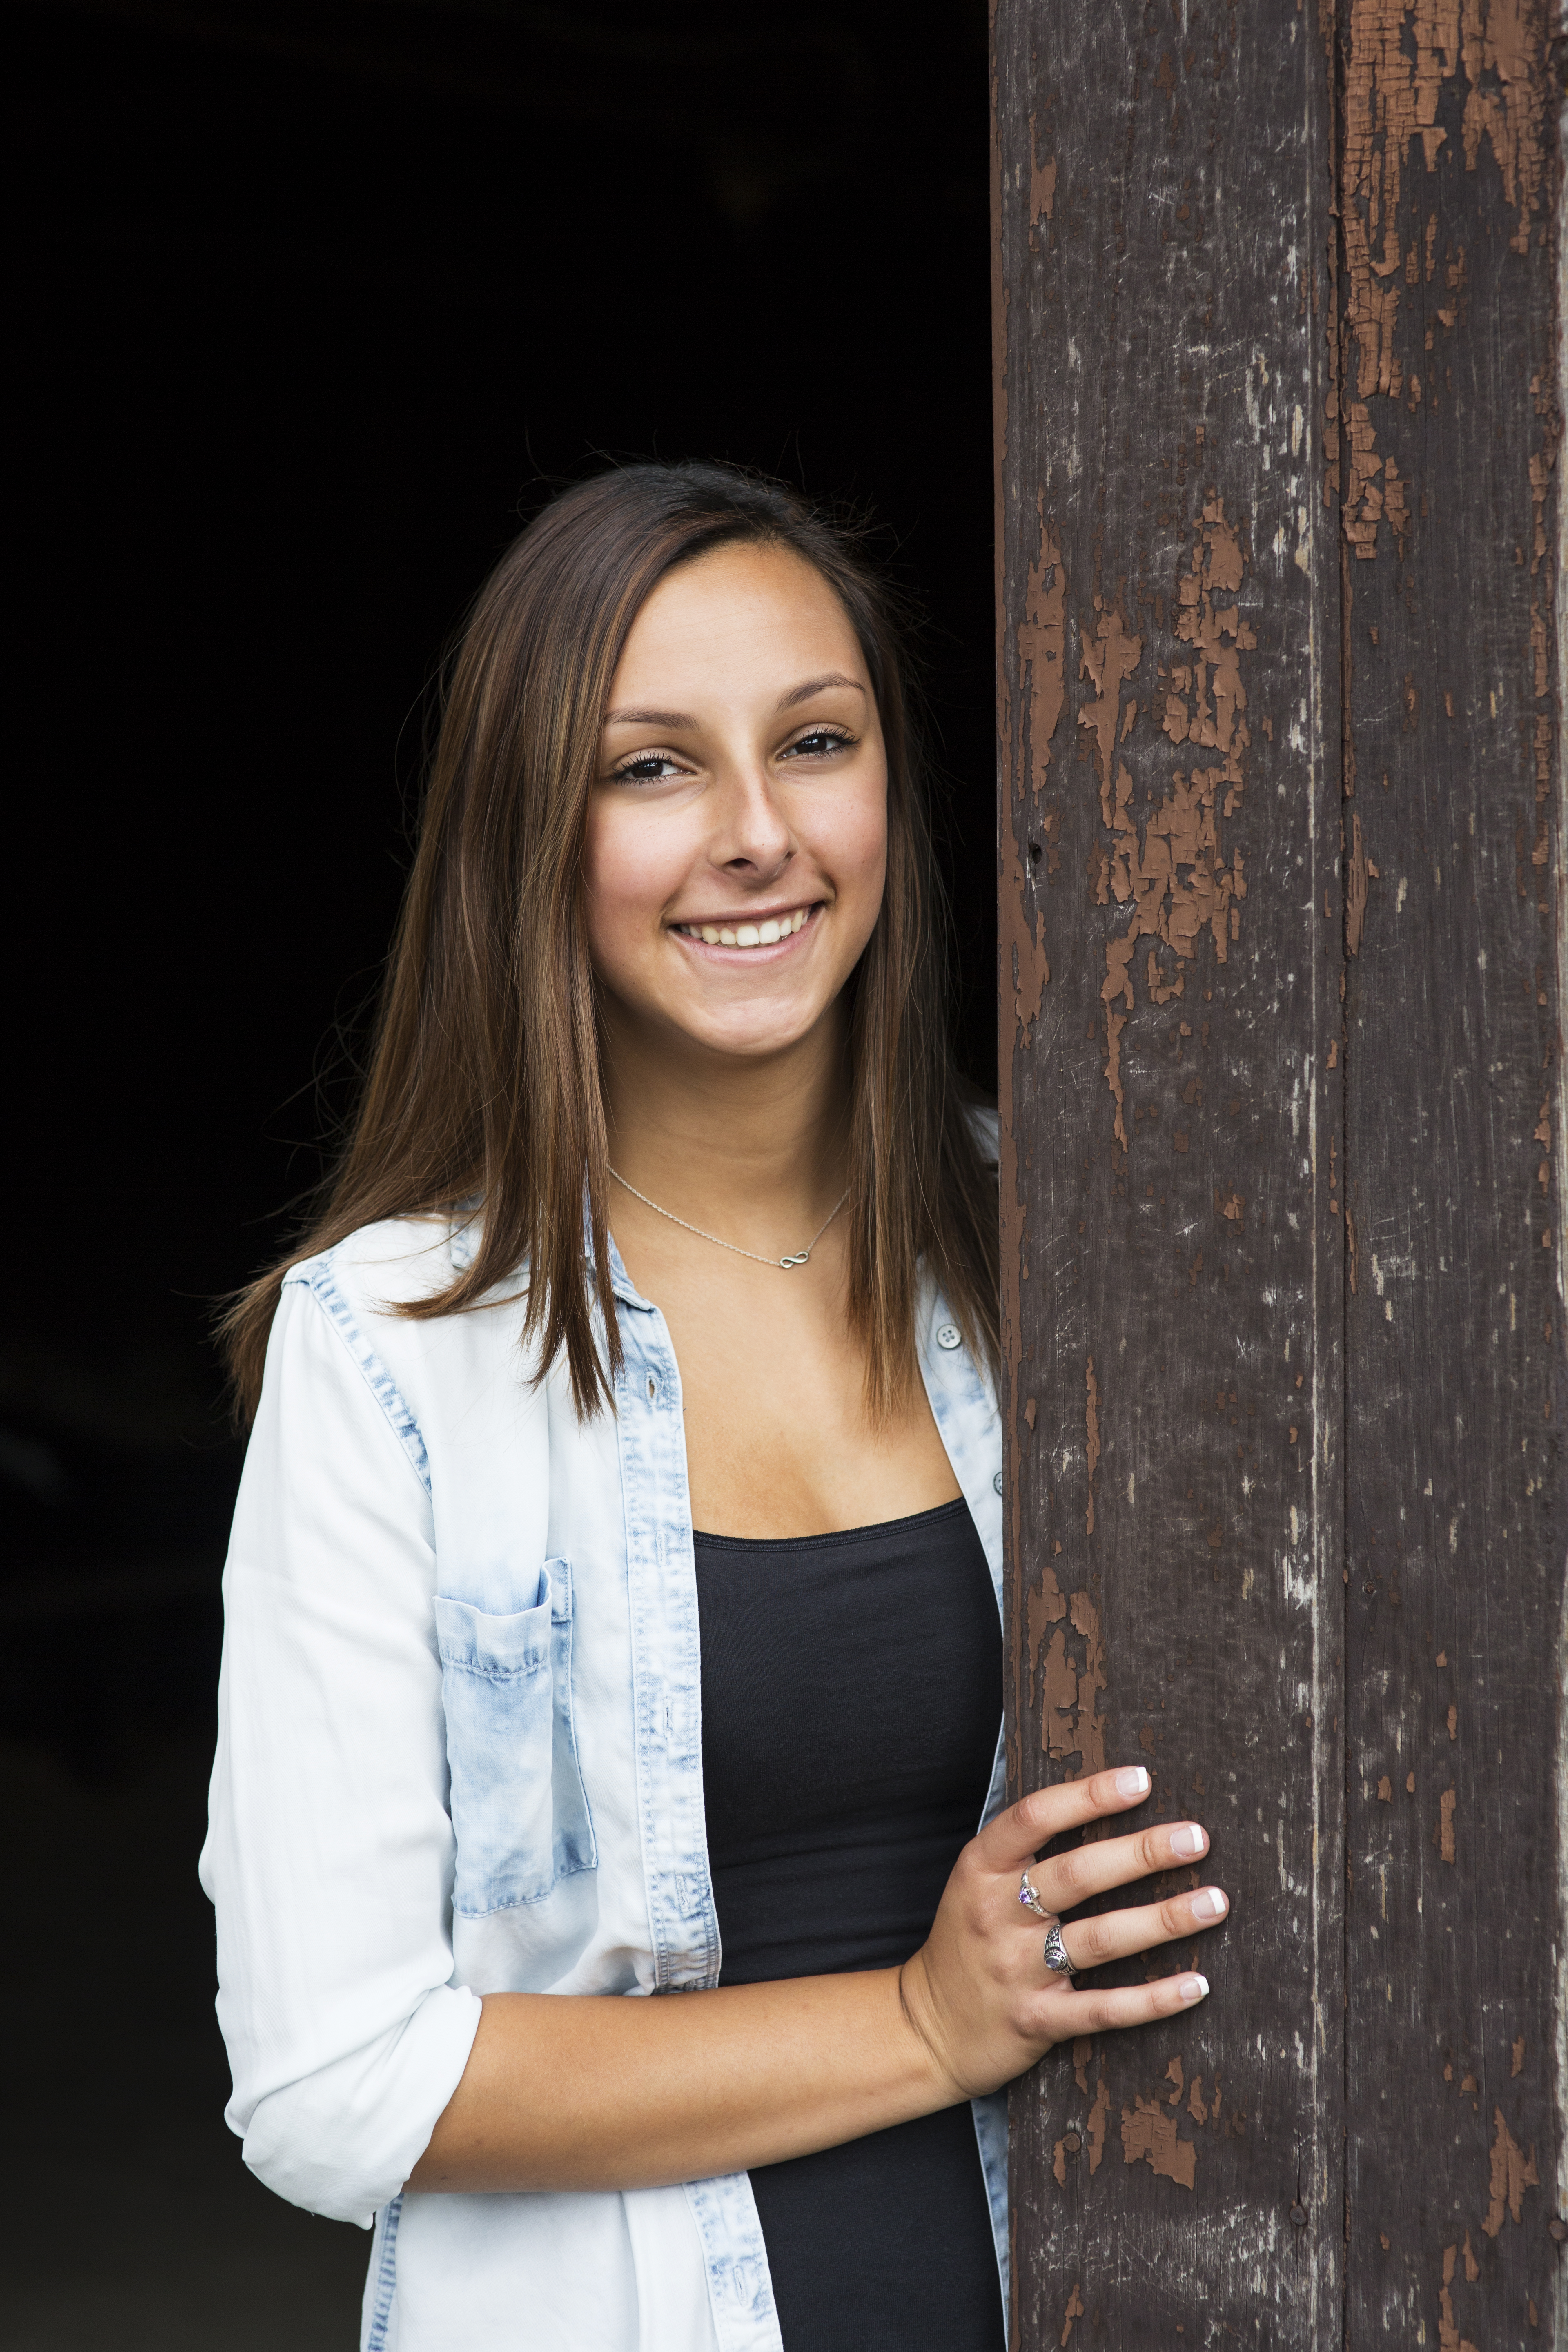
484	1079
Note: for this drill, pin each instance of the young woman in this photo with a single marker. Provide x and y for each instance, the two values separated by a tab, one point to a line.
613	1606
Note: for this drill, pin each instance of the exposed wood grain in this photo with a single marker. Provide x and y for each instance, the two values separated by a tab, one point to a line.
1171	941
1455	1528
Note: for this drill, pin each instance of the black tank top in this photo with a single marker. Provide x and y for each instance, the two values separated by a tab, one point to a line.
851	1700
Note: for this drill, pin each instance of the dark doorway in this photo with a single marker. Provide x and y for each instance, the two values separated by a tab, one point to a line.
317	304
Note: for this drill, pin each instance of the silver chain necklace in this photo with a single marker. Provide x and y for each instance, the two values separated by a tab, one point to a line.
801	1258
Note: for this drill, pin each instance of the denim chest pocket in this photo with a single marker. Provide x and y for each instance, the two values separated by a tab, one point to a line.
520	1811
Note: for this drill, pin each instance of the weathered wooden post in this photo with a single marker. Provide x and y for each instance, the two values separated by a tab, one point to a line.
1453	1318
1277	412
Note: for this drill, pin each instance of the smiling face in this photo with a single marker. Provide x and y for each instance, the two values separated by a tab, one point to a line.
737	829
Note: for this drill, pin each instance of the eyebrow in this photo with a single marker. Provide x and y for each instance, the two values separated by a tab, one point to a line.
814	685
672	720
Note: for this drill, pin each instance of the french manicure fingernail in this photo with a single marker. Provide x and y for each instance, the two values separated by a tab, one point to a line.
1133	1782
1209	1905
1194	1988
1187	1841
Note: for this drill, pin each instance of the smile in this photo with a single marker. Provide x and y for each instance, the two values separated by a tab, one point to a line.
746	934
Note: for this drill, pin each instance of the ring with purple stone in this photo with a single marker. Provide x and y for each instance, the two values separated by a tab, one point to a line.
1031	1901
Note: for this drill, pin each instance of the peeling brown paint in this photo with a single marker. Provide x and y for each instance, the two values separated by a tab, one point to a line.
1042	181
1110	652
1070	1686
1042	648
1443	1838
1094	2129
1149	2134
1360	868
1088	1723
1074	2312
1448	2336
1172	872
1512	2172
1040	639
1058	1691
1401	52
1031	975
1047	1607
1090	1436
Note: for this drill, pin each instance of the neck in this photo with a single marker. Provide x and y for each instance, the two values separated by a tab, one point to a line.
728	1140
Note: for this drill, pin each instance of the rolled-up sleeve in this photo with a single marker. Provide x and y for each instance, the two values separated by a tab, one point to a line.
329	1853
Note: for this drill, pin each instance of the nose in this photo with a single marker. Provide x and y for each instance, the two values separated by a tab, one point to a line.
752	839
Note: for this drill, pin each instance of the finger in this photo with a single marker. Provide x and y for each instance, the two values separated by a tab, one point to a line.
1070	1878
1015	1837
1116	1935
1074	2014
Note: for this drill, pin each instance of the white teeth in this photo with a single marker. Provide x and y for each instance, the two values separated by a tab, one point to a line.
749	935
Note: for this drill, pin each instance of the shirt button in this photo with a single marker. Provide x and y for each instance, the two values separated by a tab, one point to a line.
949	1336
996	1482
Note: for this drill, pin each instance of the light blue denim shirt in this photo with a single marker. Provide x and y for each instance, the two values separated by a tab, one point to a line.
460	1752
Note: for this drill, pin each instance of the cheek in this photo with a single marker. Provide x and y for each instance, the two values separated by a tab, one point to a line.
624	885
852	844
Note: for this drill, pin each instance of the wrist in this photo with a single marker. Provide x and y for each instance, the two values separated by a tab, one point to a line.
923	2033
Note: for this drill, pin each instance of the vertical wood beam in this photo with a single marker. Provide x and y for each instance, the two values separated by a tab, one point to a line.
1455	1528
1284	1136
1170	1086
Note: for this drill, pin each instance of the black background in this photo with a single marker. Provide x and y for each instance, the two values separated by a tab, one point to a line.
316	305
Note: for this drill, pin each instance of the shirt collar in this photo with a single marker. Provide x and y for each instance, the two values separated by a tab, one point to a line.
621	1283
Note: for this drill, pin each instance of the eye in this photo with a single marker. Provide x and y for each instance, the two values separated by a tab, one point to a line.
647	768
820	743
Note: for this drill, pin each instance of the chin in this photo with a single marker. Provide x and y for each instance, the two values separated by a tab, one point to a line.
773	1032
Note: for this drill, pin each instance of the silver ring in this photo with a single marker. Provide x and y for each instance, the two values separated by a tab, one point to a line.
1031	1901
1056	1959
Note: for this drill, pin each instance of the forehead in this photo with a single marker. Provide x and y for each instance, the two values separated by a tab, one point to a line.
758	611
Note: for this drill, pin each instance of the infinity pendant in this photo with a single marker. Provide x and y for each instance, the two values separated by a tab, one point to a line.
801	1258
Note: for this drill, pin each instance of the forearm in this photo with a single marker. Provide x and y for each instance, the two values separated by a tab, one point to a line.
572	2091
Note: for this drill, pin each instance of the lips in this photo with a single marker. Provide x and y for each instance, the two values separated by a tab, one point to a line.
766	934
